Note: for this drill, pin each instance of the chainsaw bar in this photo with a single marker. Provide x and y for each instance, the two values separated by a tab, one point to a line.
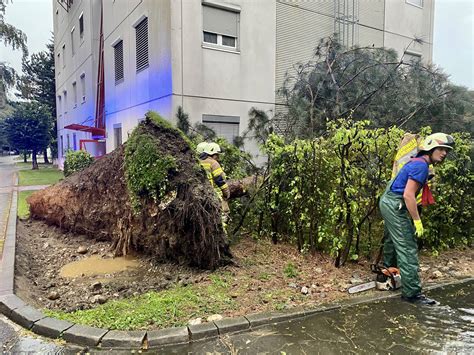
362	287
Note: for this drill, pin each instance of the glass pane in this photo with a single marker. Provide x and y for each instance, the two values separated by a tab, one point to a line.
228	41
210	37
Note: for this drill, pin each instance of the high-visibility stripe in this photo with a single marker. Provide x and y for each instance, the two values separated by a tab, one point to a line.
217	172
225	186
411	145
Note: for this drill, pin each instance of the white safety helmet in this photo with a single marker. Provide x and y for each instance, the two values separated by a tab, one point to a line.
201	147
436	140
212	148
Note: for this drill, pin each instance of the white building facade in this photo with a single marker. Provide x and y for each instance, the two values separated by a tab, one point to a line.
215	58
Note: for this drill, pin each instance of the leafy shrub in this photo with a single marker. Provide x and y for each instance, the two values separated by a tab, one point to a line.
322	194
449	221
76	161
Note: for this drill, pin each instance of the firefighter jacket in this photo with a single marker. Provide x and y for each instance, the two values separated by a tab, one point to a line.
216	176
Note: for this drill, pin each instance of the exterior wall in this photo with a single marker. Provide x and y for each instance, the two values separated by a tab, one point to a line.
183	71
379	23
84	61
404	22
149	89
299	27
273	36
222	82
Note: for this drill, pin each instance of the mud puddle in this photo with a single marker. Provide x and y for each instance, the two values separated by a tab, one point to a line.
95	265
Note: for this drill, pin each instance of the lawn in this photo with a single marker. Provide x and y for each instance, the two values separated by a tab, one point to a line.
45	175
23	209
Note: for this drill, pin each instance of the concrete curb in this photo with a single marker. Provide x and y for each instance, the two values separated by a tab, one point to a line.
28	317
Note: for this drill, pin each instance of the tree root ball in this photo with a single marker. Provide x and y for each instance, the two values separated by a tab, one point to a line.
177	218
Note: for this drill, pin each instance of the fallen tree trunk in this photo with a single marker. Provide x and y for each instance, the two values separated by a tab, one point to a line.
184	225
241	187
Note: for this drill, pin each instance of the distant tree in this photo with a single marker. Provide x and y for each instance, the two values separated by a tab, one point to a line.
38	84
28	128
365	83
12	37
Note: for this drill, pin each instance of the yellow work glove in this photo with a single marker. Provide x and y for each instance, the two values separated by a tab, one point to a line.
418	228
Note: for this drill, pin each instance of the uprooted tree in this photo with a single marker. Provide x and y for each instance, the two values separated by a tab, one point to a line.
149	195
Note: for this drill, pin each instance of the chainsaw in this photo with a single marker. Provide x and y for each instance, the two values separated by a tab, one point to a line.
387	279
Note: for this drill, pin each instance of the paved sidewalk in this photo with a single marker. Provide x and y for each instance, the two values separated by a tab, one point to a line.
7	184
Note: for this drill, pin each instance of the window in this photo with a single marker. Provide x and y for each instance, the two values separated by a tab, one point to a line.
83	87
59	106
74	141
141	34
73	51
418	3
65	102
74	93
118	60
117	135
68	143
64	55
81	26
225	126
62	146
220	26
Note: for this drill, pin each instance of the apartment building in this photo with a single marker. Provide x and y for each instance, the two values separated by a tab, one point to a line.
215	58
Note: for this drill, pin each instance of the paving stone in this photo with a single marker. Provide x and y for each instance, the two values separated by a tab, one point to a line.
123	339
10	302
84	335
321	309
26	316
228	325
168	336
258	319
203	331
51	327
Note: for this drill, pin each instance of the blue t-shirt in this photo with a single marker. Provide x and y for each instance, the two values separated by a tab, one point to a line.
415	170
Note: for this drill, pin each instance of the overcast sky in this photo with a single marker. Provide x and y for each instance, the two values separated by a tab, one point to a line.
453	34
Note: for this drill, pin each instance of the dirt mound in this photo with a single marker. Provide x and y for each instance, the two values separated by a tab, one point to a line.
183	225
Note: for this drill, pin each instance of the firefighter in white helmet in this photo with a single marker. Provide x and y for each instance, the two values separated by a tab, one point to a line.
200	148
402	220
214	170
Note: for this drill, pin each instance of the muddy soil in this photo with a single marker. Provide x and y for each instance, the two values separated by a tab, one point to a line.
259	281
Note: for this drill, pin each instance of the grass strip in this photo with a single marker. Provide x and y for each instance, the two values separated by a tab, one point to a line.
23	207
168	308
43	176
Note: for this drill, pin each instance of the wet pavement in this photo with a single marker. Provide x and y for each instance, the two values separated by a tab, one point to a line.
388	326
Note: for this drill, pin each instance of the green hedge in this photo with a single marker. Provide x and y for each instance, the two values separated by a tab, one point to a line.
323	194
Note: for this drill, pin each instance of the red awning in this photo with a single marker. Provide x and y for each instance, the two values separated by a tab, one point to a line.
94	130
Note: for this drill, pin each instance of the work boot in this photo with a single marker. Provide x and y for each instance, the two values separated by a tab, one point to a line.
420	299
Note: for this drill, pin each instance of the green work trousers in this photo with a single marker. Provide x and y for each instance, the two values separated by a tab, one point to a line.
400	245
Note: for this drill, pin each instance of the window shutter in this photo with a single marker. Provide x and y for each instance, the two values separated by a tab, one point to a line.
220	21
141	32
118	53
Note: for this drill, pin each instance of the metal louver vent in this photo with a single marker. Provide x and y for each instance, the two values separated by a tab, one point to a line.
141	32
118	60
